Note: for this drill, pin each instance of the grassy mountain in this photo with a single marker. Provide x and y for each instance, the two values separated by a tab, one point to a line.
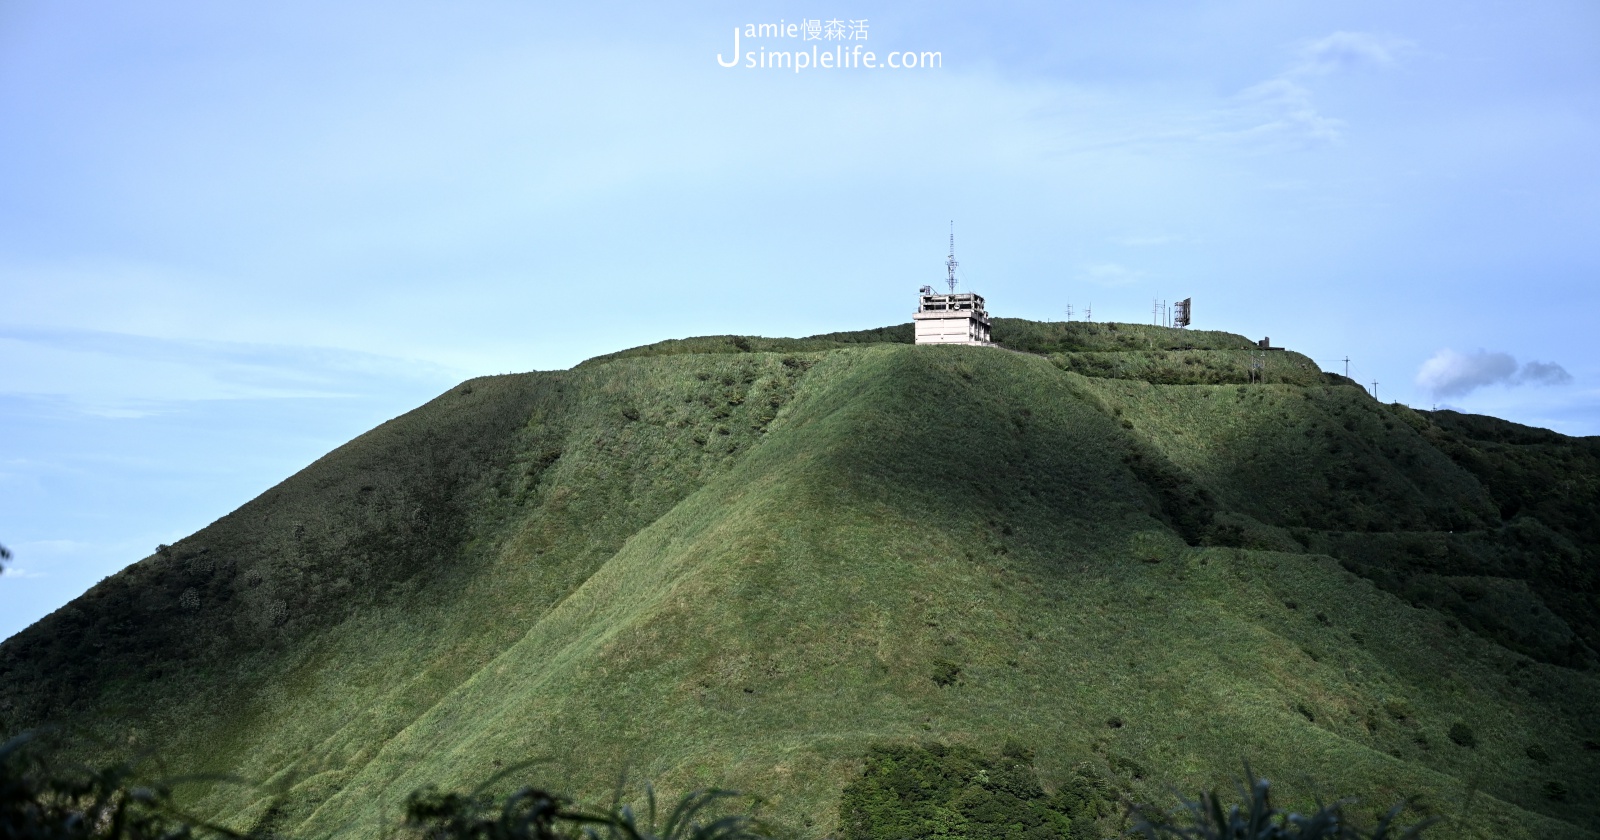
761	563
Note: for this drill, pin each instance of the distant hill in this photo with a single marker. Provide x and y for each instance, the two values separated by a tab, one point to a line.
758	562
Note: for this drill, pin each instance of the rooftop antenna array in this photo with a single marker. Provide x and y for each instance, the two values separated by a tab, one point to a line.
950	262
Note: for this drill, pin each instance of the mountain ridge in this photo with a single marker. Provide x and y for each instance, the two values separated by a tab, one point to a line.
356	630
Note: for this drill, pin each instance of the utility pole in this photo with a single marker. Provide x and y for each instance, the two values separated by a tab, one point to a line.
1346	367
1374	389
1069	312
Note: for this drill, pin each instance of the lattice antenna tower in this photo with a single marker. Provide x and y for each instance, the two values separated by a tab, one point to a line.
950	261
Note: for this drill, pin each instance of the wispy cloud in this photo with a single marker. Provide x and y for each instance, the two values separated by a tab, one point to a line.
122	376
1344	51
1283	110
58	547
1452	374
1280	110
1109	274
1151	240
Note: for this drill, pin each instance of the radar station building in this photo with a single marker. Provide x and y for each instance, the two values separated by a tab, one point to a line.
951	318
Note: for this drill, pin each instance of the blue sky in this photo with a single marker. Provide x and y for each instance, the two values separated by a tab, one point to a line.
233	236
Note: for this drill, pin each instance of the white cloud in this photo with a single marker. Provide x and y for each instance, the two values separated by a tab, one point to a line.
1452	374
1350	51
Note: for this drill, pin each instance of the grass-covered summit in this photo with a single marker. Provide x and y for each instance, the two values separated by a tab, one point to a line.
769	563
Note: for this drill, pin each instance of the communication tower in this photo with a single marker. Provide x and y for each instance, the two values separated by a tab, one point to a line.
950	261
951	318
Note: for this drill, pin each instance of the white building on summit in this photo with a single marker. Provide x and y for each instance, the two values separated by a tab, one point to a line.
951	318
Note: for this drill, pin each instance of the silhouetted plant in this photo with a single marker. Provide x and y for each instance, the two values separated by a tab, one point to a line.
39	802
527	814
1256	819
534	814
683	822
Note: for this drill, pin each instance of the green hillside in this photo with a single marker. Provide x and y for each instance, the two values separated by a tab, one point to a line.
758	562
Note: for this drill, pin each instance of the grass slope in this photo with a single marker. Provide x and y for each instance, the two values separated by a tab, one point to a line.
752	565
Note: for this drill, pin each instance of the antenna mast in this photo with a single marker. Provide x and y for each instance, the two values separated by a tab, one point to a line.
950	262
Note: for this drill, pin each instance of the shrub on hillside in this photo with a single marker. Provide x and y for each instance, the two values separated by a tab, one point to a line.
1463	735
955	792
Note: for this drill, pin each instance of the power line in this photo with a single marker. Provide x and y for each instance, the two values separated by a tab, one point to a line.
1160	313
1346	361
